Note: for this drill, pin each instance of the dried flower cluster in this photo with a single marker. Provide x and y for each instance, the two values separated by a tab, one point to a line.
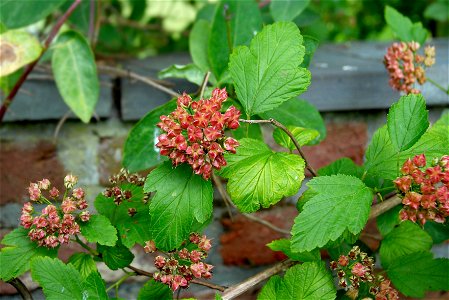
55	224
117	192
194	133
182	266
406	67
356	268
424	191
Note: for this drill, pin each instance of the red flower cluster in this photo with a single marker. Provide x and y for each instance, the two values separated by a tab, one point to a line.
357	267
406	67
194	133
424	192
54	225
182	266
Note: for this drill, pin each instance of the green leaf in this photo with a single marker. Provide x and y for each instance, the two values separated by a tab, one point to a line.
99	230
95	286
8	82
388	220
437	11
182	199
404	29
84	263
299	113
18	48
304	198
16	14
287	10
248	130
407	121
59	281
75	74
198	42
155	290
260	177
244	20
342	203
342	166
416	273
283	245
438	232
132	229
116	257
407	238
308	281
303	136
140	152
16	256
311	45
189	72
79	17
268	73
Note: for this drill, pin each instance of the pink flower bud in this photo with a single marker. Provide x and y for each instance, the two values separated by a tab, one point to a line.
358	269
85	216
150	246
78	193
34	192
44	184
54	192
70	181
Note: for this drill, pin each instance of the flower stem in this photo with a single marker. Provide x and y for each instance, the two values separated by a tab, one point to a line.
85	246
120	281
438	85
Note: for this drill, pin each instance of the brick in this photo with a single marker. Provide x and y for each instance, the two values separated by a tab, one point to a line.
21	163
244	241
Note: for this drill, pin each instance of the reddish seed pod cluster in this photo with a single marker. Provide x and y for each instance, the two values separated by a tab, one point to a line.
182	266
120	194
424	191
406	67
54	225
357	267
194	133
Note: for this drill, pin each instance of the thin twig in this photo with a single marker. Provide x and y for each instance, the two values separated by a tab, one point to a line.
92	21
290	135
60	123
266	223
384	206
97	24
224	195
21	288
9	99
204	84
147	80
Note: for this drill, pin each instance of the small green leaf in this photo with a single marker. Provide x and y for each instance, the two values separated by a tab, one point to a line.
16	256
84	263
404	29
438	232
155	290
344	200
95	287
182	199
416	273
271	289
437	11
116	257
198	41
99	230
407	238
260	177
342	166
140	152
189	72
287	10
75	74
8	82
311	45
388	220
268	73
303	136
248	130
283	245
18	48
407	121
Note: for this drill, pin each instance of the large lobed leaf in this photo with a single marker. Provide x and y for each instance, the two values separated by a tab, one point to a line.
116	257
182	200
260	177
155	290
84	263
267	73
341	203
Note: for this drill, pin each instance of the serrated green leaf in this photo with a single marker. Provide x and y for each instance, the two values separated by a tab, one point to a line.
416	273
16	256
283	245
311	45
99	230
182	199
75	73
132	229
259	177
16	14
342	203
58	281
407	121
407	238
304	136
140	152
299	113
95	287
271	288
116	257
388	220
439	232
18	49
342	166
287	10
84	263
268	73
198	42
304	198
189	72
155	290
403	27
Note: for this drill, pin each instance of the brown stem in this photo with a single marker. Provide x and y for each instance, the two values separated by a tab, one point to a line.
91	32
290	135
204	84
9	99
224	195
384	206
21	288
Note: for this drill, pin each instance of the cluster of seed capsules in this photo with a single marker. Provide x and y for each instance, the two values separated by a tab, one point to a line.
54	225
406	67
180	267
194	133
424	191
357	268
